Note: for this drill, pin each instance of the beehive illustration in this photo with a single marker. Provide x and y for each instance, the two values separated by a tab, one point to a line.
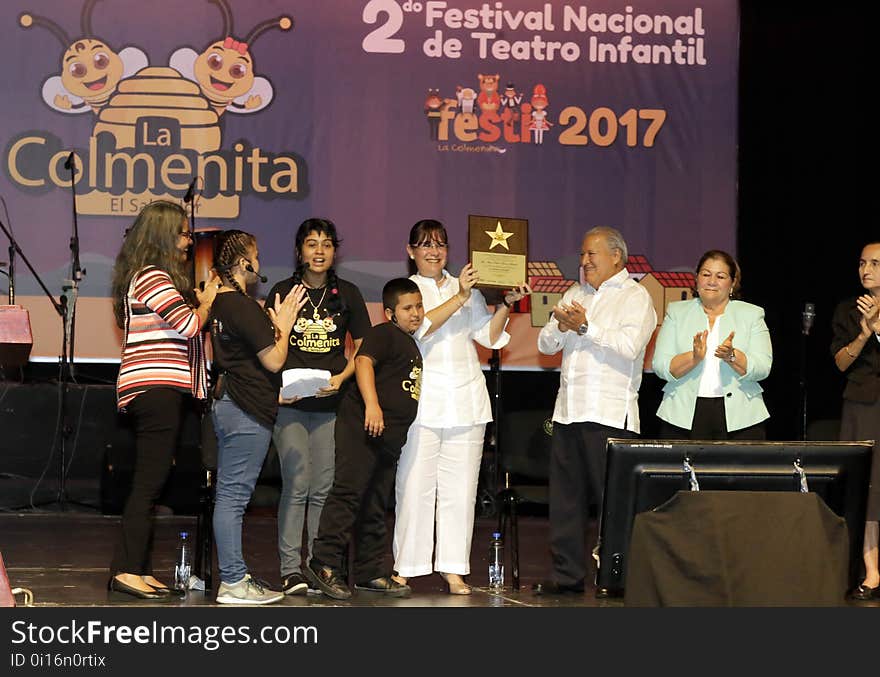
155	101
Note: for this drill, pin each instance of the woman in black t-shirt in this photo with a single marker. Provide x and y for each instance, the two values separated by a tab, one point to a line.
855	347
303	431
250	348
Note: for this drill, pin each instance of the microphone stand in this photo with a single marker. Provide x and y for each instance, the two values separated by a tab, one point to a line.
203	565
76	270
805	332
13	248
69	296
62	307
803	386
10	271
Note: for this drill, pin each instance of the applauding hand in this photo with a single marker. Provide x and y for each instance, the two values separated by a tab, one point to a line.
724	351
870	310
700	345
283	313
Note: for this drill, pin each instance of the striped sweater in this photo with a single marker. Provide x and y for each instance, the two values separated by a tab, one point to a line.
163	343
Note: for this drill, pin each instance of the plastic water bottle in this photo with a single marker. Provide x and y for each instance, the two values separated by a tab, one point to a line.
183	565
496	562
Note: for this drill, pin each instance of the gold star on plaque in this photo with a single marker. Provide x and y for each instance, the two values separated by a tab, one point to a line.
499	237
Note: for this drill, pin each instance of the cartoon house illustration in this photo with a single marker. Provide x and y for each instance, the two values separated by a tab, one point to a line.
637	266
548	285
666	287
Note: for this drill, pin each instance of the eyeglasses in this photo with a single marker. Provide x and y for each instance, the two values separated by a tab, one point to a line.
432	245
187	234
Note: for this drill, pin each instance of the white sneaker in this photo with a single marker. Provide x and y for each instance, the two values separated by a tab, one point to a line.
247	591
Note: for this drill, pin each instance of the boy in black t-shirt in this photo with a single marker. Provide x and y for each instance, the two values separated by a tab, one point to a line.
371	427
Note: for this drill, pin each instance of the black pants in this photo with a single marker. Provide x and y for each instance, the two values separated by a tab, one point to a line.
577	478
710	423
357	503
156	415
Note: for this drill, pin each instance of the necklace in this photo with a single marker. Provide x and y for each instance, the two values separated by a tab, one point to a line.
315	316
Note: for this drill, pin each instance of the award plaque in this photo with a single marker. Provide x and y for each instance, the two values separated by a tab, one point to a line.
498	250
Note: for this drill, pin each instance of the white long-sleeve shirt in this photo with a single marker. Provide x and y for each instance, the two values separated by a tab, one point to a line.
453	386
601	371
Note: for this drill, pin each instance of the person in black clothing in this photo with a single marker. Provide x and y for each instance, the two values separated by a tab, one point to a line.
303	433
855	346
250	347
371	427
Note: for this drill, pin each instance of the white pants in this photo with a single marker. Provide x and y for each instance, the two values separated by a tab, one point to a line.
439	468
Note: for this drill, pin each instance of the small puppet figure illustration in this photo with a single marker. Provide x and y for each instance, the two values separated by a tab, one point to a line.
511	101
539	122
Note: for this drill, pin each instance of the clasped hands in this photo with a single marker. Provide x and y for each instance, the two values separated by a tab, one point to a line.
870	310
570	316
722	352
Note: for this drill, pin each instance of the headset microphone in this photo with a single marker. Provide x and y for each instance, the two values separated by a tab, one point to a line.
263	278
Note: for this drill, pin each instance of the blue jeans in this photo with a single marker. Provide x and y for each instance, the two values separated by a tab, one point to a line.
306	453
242	444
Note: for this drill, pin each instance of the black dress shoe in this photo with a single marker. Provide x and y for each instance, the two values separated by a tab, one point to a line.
327	580
114	585
865	594
385	585
550	587
294	584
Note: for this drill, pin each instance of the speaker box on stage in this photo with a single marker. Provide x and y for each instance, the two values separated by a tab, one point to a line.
15	336
99	450
180	494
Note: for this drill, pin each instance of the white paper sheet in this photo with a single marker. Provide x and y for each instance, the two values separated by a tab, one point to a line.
303	382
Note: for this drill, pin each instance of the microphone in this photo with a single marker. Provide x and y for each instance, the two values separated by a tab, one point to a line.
263	278
808	316
190	191
68	163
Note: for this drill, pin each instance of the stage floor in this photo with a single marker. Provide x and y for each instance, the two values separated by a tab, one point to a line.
63	557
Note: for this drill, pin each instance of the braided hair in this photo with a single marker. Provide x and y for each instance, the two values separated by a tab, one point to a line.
335	304
229	247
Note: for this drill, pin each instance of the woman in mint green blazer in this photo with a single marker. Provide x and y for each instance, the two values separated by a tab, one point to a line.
712	351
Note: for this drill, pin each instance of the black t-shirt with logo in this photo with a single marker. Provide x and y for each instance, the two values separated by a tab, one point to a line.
317	340
241	328
397	364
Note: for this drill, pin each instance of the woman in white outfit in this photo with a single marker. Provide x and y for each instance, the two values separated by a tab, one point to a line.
440	463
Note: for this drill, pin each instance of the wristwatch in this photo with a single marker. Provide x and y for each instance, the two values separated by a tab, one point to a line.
582	329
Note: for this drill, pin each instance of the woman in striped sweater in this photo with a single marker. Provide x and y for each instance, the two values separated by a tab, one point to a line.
162	365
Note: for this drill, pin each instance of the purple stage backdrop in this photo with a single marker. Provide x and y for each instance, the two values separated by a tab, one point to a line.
373	114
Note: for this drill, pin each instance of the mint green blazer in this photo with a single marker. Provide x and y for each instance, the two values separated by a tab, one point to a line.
743	402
